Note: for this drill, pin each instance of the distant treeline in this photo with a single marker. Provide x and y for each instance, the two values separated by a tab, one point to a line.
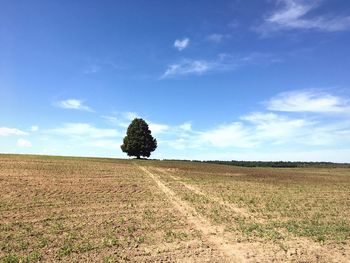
279	164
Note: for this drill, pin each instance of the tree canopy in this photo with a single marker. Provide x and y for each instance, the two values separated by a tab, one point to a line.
139	140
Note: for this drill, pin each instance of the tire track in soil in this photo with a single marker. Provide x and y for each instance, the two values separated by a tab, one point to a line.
240	211
214	235
302	243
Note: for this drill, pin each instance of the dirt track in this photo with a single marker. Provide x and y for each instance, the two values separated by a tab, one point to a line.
224	242
66	209
214	235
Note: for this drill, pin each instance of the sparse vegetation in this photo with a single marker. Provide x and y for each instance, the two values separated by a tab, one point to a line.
108	210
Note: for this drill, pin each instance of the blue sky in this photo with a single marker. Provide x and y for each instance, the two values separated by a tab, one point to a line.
243	80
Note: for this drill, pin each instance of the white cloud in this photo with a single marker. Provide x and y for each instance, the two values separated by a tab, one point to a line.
178	144
231	135
73	104
24	143
85	129
262	135
276	128
308	101
157	128
260	131
187	126
263	129
121	119
110	119
181	44
124	119
223	62
34	128
293	14
326	135
188	67
257	58
5	131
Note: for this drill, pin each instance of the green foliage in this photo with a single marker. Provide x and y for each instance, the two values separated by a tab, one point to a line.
111	240
171	236
138	140
9	259
65	250
13	258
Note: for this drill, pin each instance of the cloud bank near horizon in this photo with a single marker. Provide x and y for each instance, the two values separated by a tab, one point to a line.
290	121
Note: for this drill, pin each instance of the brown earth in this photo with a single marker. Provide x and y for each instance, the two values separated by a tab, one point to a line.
105	210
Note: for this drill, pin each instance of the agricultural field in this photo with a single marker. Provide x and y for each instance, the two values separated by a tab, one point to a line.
108	210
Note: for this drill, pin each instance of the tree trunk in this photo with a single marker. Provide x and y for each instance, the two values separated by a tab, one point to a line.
138	156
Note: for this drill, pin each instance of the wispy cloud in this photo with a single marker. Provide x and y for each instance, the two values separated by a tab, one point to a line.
253	131
263	130
157	128
73	104
273	128
308	101
187	126
294	14
5	131
230	135
24	143
187	67
181	44
34	128
256	58
290	121
259	130
256	131
110	119
121	119
222	62
85	129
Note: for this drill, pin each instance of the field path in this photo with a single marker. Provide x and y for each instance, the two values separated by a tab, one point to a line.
240	211
214	235
300	243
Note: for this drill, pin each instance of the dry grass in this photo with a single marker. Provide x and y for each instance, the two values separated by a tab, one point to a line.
105	210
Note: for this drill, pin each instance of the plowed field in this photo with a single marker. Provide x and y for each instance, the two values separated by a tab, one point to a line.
106	210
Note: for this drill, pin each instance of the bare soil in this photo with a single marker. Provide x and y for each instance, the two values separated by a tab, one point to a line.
106	210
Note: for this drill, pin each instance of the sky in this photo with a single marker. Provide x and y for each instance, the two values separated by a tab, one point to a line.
224	80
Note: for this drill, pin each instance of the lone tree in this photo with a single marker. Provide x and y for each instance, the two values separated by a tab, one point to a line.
138	140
